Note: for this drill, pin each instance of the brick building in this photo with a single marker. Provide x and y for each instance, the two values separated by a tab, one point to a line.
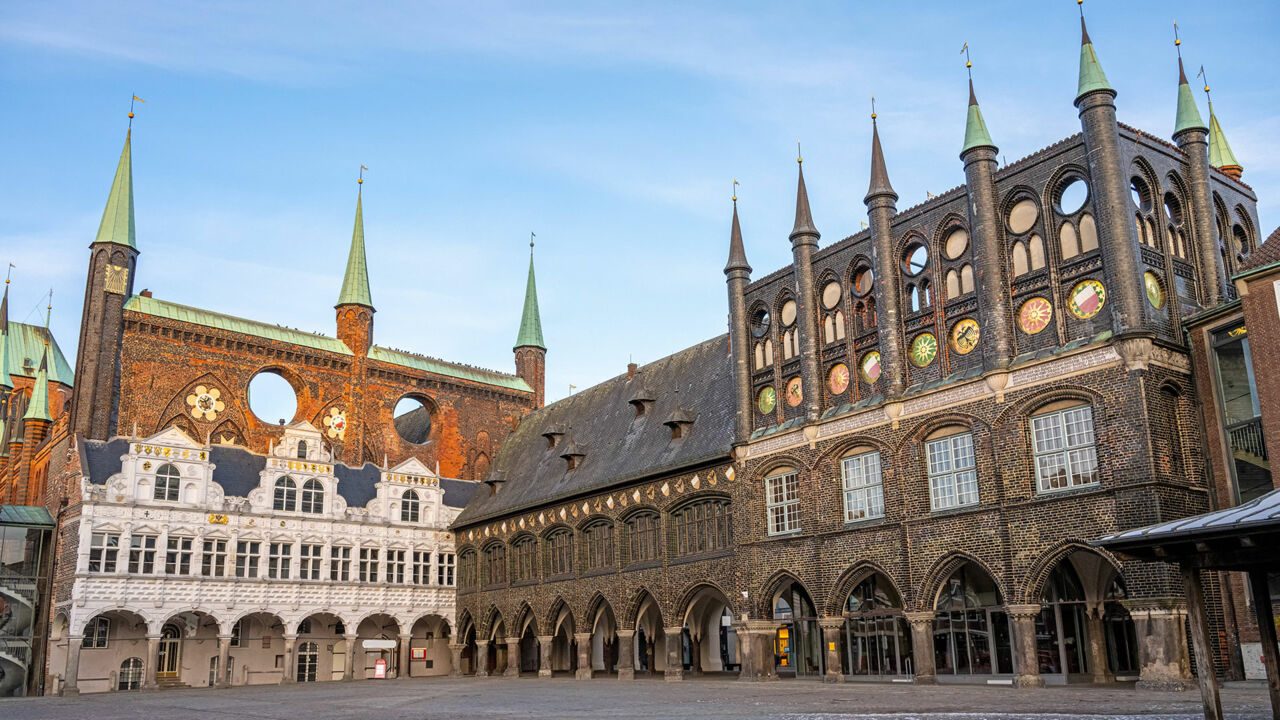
892	466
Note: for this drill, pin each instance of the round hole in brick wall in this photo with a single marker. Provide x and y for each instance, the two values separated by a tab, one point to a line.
271	398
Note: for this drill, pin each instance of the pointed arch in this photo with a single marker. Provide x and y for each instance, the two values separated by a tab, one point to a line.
631	612
851	577
780	578
943	568
1034	581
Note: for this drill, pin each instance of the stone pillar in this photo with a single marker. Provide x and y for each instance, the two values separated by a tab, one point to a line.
626	655
544	655
584	655
349	669
747	667
513	658
695	654
922	646
289	674
224	657
153	659
482	658
761	636
1160	624
455	657
675	663
1026	658
402	666
831	628
1098	646
70	680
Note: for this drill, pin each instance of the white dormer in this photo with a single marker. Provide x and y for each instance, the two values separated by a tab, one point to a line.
409	493
168	468
302	441
298	477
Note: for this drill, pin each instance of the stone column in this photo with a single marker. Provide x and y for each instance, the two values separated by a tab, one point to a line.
153	659
1027	657
455	657
695	654
544	655
70	686
224	657
482	658
402	669
764	633
675	663
349	671
288	675
584	655
747	666
626	655
1160	624
922	646
513	658
1098	646
831	628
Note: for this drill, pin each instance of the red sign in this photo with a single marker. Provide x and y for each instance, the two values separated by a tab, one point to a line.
380	669
418	653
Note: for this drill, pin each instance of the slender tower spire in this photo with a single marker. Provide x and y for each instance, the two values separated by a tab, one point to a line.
804	218
117	218
1091	75
975	127
881	202
530	349
5	383
804	241
355	306
1220	154
1188	117
737	272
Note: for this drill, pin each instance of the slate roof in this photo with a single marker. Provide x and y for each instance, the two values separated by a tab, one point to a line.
237	471
1266	254
618	447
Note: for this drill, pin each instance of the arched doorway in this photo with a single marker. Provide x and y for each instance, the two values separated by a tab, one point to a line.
1084	633
326	632
377	641
876	642
797	646
710	642
564	648
497	659
429	647
467	656
169	656
650	640
530	659
308	661
257	639
971	628
1120	632
604	639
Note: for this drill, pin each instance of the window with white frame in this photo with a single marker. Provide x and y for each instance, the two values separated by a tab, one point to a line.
142	554
863	488
339	563
279	558
444	569
247	553
782	498
285	496
409	506
312	497
214	562
177	560
309	561
104	549
96	632
1064	448
237	633
395	566
167	481
421	567
368	564
953	481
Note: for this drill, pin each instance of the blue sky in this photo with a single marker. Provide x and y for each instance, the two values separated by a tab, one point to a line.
612	130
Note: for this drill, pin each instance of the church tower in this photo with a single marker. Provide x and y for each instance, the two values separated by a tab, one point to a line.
355	306
530	349
113	257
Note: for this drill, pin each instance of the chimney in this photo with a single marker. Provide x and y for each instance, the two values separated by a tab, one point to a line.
631	370
145	293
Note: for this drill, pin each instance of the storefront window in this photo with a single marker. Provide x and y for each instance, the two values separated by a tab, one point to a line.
971	628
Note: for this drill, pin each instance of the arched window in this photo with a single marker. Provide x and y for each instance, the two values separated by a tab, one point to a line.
839	320
642	537
495	564
966	278
313	497
782	501
286	494
1064	446
560	552
759	356
953	284
525	567
971	629
870	320
703	526
1037	252
926	294
1088	234
914	294
467	571
309	661
409	505
876	640
599	545
302	449
130	674
1067	238
167	481
96	633
1020	263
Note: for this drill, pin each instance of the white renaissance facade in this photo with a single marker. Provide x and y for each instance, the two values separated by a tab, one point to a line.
211	566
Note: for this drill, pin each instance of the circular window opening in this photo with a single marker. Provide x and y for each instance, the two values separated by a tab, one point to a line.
789	313
915	259
862	280
412	420
760	323
1141	193
271	398
1072	196
1172	209
831	295
1022	216
956	243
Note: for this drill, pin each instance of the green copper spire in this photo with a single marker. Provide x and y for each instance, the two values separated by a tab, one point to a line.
4	345
117	218
355	285
530	321
38	409
1220	155
1091	76
975	128
1188	114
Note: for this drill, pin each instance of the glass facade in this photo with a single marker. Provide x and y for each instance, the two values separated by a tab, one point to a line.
1241	415
24	548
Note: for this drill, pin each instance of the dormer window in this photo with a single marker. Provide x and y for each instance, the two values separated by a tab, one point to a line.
313	497
286	495
573	455
553	435
302	449
167	481
679	422
409	506
641	399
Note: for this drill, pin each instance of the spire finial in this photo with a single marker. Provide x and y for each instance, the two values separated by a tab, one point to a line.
360	180
532	235
873	108
12	266
1200	75
1188	116
131	102
735	193
968	64
799	155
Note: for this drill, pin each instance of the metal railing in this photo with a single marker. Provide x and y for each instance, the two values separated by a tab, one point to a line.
1247	437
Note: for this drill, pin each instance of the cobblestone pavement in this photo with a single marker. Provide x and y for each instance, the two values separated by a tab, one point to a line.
609	699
